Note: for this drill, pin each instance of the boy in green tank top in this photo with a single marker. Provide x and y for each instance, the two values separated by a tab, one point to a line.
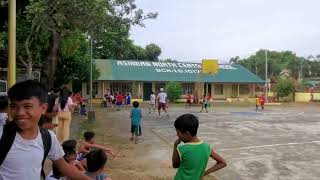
191	158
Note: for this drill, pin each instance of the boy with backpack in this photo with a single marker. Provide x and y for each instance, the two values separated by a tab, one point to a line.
191	158
25	146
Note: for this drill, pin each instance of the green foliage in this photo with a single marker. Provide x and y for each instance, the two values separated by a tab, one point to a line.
52	30
279	61
75	63
174	90
285	86
153	52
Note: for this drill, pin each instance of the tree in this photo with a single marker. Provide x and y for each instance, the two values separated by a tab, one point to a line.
61	17
285	86
168	60
174	90
75	63
234	60
153	52
277	61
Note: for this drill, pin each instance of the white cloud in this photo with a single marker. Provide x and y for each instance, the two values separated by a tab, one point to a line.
190	30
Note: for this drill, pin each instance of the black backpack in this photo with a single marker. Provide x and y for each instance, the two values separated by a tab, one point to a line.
8	136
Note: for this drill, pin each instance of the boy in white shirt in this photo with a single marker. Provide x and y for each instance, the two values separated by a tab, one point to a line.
23	143
162	101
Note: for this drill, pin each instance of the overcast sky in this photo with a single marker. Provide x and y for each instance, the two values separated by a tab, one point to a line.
190	30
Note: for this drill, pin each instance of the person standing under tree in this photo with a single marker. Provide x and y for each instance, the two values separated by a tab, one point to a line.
63	106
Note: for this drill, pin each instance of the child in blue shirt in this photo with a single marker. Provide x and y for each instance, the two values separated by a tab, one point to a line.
128	100
135	115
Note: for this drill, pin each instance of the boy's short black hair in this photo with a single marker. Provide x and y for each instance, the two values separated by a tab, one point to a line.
187	122
69	152
55	171
88	135
135	104
3	102
69	145
96	160
26	90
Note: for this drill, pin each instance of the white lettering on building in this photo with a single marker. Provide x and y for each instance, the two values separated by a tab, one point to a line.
190	68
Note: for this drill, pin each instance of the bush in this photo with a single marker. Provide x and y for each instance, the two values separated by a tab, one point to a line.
174	90
285	86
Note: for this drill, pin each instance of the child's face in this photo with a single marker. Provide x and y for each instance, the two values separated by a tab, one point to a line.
184	137
92	141
27	113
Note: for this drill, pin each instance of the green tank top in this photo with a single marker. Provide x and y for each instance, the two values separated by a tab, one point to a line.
193	160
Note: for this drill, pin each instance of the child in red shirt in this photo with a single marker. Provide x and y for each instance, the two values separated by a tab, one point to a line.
119	101
262	99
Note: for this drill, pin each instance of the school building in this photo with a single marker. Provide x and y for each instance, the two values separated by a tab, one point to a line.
141	77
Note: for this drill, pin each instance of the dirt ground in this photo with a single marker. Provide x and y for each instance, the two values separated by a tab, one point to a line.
281	142
150	159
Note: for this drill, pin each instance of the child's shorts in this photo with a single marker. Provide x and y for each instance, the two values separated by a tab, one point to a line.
136	129
118	103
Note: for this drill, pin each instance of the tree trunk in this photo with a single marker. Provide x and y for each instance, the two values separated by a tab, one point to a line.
52	59
29	63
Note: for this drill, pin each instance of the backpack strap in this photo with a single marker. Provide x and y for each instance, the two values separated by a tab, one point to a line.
46	139
7	139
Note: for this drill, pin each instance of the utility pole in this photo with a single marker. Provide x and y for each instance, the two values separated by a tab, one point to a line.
266	86
91	113
301	74
12	43
91	73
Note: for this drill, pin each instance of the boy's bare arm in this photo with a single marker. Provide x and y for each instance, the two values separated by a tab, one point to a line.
83	148
221	163
175	154
69	170
99	147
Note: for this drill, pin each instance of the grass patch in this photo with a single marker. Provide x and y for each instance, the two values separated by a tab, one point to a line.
85	126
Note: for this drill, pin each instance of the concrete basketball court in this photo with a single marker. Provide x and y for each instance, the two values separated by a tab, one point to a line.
277	143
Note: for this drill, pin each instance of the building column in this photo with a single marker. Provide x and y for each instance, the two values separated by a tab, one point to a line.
103	88
238	90
253	91
153	87
212	89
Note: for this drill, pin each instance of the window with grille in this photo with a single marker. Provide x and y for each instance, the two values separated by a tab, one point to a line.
234	90
244	89
121	87
95	86
218	89
187	88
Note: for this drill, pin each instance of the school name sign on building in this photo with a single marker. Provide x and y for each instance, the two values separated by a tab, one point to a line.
170	67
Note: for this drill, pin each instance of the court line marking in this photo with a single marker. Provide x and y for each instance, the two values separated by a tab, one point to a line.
268	145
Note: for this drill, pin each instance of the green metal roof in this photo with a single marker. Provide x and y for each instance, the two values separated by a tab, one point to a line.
171	71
